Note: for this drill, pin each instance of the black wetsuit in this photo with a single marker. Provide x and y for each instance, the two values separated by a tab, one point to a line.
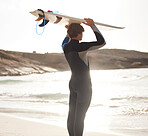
80	82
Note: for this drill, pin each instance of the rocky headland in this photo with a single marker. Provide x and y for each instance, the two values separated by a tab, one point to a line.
14	63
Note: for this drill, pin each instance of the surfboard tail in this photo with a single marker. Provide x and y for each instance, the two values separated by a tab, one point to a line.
41	16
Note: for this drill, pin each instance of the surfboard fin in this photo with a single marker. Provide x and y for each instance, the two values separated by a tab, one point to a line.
40	17
44	23
58	20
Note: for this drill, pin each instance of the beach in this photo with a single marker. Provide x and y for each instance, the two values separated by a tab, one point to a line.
37	104
12	126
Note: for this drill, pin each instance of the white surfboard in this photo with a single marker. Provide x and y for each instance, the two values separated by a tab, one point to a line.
62	19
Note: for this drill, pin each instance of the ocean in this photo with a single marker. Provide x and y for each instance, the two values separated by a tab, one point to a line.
119	101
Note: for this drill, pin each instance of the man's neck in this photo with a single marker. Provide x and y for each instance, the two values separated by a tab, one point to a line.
75	38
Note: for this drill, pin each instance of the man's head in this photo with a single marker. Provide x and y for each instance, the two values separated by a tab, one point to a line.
75	31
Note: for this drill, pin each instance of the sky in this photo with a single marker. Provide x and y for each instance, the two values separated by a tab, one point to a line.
18	26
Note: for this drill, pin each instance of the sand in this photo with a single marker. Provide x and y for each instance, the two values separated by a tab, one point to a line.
12	126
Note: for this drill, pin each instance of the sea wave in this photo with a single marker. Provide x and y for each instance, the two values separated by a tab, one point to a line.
55	96
8	81
134	98
50	96
28	111
135	111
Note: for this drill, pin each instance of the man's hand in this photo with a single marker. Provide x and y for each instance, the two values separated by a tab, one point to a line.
67	26
88	22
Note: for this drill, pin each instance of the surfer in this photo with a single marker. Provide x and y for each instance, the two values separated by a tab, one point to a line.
80	82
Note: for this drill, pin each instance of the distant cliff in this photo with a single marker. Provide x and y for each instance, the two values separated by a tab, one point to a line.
21	63
13	63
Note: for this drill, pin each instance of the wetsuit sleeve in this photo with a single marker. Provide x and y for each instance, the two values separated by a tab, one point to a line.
100	39
65	41
89	46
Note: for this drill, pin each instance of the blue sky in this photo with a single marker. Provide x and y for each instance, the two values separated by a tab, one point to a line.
18	33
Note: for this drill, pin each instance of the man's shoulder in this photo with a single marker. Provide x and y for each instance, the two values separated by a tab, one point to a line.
69	48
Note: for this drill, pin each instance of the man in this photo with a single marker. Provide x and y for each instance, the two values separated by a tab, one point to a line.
80	82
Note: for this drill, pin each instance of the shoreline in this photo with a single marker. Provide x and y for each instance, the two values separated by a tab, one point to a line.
15	126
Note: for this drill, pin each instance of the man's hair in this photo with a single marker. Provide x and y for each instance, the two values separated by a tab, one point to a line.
74	29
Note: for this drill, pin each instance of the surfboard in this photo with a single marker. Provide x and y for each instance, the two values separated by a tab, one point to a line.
60	19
